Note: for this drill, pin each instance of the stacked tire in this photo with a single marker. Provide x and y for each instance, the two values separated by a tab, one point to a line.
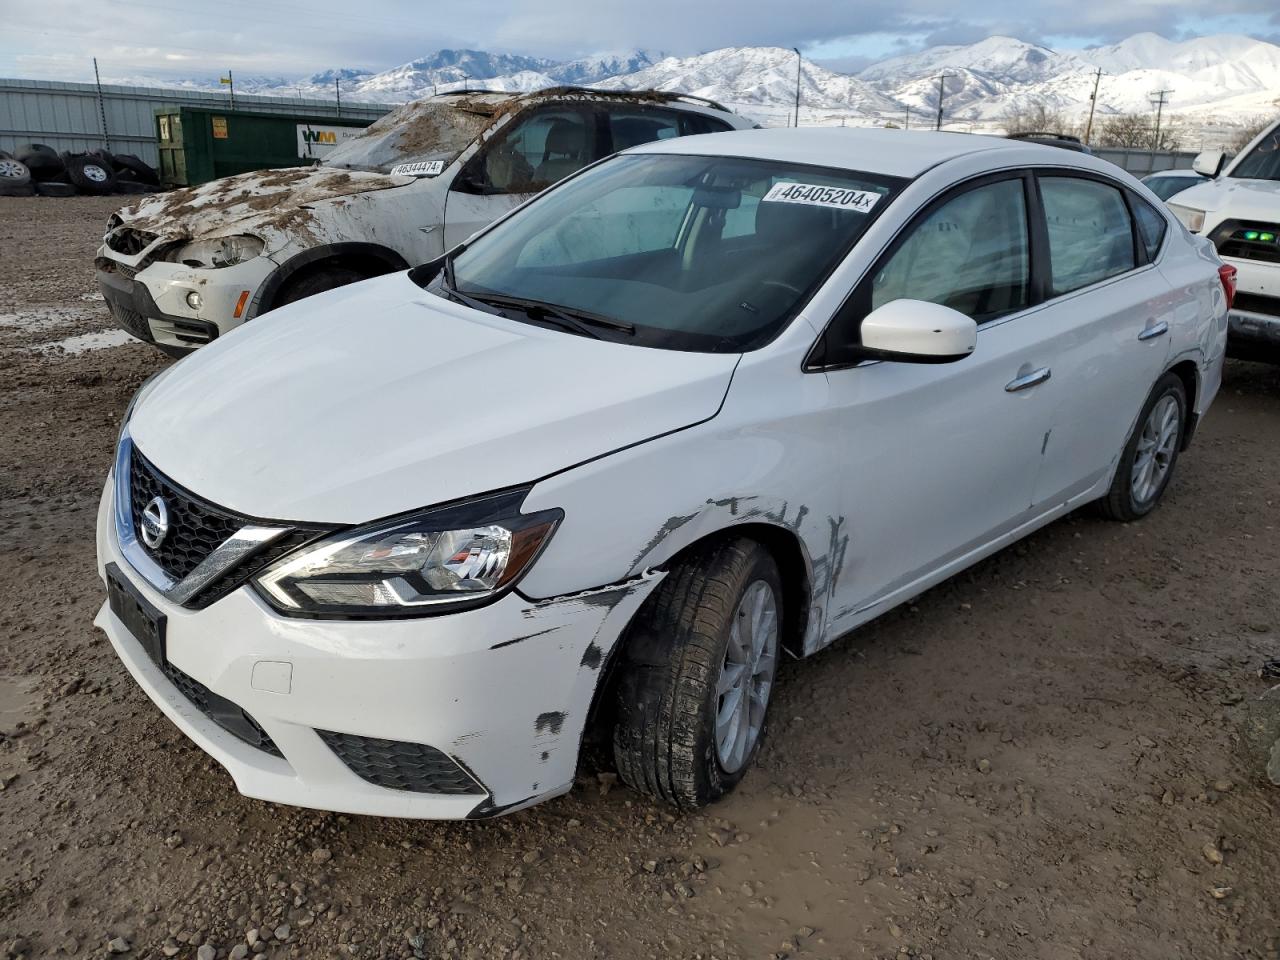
36	168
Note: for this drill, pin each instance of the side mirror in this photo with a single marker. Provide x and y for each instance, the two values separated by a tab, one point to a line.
1209	163
916	331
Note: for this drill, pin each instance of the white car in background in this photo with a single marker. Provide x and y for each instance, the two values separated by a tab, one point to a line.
1239	212
182	268
402	549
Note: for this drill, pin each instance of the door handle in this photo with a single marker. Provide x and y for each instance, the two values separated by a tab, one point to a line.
1028	380
1155	330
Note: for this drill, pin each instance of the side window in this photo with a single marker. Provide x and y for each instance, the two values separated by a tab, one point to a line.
970	254
1151	226
694	123
1090	235
535	151
632	127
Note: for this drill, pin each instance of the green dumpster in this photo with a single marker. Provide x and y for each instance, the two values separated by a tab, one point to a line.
198	145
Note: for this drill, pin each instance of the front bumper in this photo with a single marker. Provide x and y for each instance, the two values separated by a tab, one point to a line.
151	303
1254	322
503	690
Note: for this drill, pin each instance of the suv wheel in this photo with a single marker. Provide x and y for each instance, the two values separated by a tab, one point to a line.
697	674
1146	465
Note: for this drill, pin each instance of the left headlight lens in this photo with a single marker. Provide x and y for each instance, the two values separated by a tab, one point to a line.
458	556
1191	218
219	252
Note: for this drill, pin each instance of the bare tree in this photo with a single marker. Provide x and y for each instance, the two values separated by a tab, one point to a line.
1036	118
1252	127
1125	130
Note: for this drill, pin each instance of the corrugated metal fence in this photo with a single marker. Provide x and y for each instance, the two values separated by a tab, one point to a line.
69	116
1142	162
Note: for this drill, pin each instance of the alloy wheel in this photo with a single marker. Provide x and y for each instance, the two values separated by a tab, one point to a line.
746	675
1156	447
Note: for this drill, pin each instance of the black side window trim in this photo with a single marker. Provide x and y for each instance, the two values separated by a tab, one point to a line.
859	298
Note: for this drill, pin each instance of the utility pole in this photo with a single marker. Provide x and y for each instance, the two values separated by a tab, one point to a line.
942	92
102	107
1093	104
907	122
337	89
799	62
1159	102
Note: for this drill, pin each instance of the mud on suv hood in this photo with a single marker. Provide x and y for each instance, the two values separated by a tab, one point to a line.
263	202
379	398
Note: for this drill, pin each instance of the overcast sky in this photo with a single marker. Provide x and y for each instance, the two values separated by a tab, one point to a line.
55	39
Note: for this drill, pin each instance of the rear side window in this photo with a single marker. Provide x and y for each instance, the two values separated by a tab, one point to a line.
1090	234
691	123
970	254
630	128
1151	226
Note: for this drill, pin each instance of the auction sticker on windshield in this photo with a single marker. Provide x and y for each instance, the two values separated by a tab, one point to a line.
818	195
423	168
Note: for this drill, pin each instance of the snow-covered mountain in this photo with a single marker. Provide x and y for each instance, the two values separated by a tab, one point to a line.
1217	79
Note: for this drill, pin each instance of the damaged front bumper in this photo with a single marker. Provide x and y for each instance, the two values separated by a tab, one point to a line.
335	715
153	302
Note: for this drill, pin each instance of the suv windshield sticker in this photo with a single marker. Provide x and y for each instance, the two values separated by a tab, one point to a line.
818	195
423	168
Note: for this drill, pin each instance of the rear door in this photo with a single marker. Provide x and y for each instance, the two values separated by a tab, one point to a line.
533	151
1111	312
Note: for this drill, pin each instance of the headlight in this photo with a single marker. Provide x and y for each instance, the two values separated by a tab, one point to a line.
219	252
1192	219
455	556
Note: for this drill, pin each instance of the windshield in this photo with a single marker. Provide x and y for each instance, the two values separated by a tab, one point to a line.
1263	161
418	132
711	254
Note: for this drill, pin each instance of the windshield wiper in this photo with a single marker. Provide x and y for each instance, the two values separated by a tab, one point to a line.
580	321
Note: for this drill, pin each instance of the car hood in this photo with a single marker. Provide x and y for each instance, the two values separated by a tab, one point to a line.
379	398
260	203
1243	199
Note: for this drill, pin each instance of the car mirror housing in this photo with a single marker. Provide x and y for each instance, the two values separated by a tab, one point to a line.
917	331
1209	162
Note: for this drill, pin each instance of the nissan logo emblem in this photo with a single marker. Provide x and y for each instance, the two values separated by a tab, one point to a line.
155	522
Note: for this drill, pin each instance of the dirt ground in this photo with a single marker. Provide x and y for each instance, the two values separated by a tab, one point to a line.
1038	759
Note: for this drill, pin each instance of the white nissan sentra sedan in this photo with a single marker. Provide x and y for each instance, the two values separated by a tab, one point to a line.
402	548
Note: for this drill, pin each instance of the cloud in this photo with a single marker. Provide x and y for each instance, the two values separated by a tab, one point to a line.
296	37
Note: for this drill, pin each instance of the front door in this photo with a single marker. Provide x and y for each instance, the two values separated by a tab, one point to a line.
938	460
535	150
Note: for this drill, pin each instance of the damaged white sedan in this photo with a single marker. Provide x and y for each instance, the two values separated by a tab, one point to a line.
406	548
183	268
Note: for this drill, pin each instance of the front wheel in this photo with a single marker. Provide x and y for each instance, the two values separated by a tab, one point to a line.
698	672
1146	465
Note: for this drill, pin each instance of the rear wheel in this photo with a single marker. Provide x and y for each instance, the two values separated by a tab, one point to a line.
1147	463
697	675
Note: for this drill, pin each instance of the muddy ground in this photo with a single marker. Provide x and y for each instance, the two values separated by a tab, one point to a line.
1038	759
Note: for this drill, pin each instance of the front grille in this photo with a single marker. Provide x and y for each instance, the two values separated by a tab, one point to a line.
129	241
1257	303
196	528
397	765
231	718
131	321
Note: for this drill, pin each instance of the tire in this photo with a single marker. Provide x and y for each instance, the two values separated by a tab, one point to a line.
55	188
1130	497
89	173
667	741
140	170
42	160
317	281
15	178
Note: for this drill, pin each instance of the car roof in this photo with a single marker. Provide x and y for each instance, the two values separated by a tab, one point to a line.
895	153
1173	173
501	101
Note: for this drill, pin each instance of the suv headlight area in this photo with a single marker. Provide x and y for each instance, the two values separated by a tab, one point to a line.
430	562
218	252
1191	218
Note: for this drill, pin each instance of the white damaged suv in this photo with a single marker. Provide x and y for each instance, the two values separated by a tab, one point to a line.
402	549
1239	212
182	268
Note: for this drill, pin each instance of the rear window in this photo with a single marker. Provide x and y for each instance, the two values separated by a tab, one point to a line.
418	132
